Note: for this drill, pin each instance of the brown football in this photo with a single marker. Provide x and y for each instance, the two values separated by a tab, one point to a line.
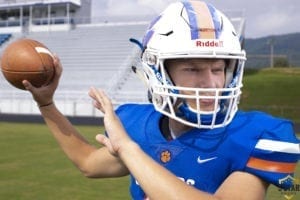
27	59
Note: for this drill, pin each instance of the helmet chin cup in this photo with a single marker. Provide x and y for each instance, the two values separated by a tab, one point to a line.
203	118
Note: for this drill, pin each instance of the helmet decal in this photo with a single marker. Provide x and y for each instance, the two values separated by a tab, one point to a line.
150	31
203	20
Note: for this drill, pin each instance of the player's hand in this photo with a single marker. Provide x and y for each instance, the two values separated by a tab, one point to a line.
117	136
44	95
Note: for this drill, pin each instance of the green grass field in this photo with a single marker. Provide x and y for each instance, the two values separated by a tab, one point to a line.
32	165
273	90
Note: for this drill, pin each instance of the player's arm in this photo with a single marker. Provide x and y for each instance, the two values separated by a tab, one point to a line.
91	161
158	182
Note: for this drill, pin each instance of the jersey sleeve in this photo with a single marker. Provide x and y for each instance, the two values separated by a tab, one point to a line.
275	156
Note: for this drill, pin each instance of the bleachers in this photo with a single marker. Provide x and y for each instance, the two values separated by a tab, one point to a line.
91	55
97	56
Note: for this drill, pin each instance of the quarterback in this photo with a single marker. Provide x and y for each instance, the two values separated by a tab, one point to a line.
191	141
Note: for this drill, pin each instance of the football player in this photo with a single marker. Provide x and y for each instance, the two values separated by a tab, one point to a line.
191	141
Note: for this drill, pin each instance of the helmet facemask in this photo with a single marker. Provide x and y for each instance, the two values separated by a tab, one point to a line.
183	103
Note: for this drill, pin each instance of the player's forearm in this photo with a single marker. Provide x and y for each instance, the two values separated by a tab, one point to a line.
156	181
72	143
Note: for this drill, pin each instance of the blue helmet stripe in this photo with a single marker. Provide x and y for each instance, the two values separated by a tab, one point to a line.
216	21
192	20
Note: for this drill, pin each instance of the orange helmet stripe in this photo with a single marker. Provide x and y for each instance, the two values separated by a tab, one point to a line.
205	22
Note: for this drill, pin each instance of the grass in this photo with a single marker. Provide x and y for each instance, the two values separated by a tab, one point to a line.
273	90
32	166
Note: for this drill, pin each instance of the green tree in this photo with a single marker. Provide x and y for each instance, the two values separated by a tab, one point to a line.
281	62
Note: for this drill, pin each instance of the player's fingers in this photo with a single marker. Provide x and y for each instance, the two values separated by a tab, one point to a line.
92	95
98	106
58	67
98	103
105	101
98	96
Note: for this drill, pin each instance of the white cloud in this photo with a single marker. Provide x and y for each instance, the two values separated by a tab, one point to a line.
156	5
130	7
263	17
116	7
273	20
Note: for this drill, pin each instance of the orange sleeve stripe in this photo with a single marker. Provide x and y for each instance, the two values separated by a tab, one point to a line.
271	166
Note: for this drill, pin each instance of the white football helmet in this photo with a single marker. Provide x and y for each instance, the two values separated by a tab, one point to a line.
193	29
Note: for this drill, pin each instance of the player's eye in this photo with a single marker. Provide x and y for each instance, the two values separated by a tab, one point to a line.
218	69
190	69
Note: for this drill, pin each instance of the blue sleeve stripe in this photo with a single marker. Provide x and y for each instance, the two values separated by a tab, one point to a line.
275	156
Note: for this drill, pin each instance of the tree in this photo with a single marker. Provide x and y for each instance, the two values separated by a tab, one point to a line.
281	62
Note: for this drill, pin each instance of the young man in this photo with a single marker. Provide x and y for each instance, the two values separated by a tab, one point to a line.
191	142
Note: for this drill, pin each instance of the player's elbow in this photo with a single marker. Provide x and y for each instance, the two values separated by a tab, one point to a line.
86	170
100	172
92	174
88	173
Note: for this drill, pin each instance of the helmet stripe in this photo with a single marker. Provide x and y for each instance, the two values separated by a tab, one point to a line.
201	22
216	20
205	22
150	31
192	20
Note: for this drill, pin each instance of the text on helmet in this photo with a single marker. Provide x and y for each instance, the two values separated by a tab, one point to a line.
209	43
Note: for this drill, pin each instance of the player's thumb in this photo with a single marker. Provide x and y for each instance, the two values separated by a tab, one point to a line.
27	85
102	139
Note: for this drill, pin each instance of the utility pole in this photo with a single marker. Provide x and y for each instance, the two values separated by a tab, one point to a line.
271	43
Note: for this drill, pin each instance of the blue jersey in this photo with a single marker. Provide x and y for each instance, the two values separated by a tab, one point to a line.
253	142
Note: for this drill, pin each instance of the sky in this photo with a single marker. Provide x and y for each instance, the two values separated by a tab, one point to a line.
263	17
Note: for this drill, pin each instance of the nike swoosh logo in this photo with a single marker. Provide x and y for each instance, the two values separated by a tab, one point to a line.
201	161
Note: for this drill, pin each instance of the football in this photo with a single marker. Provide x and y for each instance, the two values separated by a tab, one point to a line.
27	59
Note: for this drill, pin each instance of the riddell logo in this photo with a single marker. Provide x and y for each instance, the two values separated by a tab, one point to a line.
209	43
